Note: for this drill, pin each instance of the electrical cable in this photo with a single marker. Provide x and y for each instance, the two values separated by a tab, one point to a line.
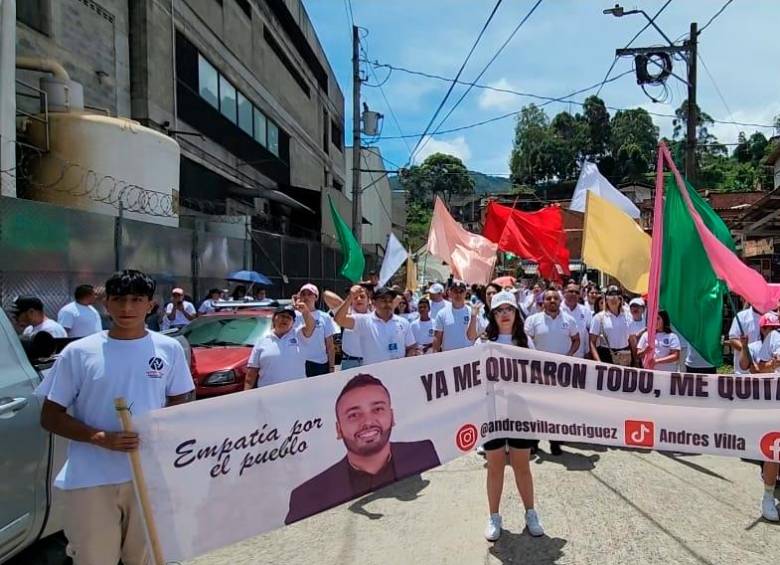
454	81
484	70
714	17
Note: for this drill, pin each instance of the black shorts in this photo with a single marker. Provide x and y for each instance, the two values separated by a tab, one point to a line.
514	443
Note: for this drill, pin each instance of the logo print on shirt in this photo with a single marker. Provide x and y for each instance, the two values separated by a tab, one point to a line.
156	365
293	341
465	319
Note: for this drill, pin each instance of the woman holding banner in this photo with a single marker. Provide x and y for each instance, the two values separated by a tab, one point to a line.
667	345
506	326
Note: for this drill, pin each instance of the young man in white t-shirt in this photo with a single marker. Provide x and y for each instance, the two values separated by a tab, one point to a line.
28	311
422	327
451	325
79	318
581	314
438	302
103	521
178	312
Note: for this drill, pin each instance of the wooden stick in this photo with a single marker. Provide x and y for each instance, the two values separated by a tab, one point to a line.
140	484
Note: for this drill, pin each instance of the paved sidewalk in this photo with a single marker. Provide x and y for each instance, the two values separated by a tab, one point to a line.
597	505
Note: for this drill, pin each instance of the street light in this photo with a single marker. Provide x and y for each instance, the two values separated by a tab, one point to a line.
618	11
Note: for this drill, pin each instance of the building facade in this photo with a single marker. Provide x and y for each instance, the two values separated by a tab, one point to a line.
243	87
376	198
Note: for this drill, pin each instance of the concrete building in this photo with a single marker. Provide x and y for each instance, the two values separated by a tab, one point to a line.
376	198
243	86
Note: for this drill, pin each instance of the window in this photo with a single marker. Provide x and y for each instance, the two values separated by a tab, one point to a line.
325	132
245	7
260	128
244	114
34	13
273	138
336	135
208	82
227	99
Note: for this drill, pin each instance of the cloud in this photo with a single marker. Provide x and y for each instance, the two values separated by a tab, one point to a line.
456	146
490	99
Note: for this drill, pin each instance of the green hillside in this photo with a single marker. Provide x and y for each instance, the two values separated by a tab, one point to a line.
483	184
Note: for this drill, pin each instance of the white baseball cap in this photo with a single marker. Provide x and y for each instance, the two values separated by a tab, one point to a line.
502	298
637	302
436	288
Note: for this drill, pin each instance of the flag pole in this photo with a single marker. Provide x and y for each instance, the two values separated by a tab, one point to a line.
140	486
656	253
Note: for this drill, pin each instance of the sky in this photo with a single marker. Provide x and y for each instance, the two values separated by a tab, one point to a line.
564	46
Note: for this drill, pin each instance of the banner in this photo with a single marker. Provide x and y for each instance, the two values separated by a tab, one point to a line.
228	468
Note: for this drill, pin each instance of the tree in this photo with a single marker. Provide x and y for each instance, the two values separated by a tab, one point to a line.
439	175
530	162
567	144
596	119
418	221
706	142
633	142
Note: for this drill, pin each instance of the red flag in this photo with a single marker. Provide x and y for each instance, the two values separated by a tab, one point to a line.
538	236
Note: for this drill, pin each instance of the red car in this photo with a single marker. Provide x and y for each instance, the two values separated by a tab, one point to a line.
220	345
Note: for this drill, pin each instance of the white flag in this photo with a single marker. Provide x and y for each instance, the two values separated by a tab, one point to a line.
592	180
395	256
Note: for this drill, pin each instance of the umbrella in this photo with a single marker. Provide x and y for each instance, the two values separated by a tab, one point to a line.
505	281
252	277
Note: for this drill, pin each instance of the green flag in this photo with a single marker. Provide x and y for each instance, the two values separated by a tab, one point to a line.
354	262
690	291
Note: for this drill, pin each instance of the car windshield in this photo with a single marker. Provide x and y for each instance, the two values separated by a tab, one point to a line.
244	330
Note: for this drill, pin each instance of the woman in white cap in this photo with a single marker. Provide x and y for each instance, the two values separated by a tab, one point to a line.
320	351
506	326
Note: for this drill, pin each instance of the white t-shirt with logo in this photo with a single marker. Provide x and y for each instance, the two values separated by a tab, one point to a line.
549	334
180	320
616	328
423	332
665	343
437	307
582	316
49	326
382	340
314	347
279	359
749	319
206	306
453	323
79	320
91	373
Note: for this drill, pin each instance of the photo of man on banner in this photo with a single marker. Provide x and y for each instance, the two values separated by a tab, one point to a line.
364	422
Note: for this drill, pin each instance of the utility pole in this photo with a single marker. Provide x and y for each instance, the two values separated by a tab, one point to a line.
356	150
689	48
693	118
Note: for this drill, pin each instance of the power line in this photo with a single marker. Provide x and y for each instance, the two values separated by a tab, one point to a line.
549	99
715	84
485	68
718	13
454	81
640	32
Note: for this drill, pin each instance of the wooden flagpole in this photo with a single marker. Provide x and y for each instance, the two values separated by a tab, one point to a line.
140	485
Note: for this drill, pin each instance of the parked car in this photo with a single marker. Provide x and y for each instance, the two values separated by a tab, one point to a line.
220	344
30	510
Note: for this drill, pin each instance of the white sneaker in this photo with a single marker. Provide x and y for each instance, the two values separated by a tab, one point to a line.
493	528
769	508
532	522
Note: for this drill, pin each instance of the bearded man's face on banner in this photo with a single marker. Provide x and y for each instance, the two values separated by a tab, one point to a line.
364	419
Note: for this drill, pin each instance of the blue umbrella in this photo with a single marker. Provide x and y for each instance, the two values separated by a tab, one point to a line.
252	277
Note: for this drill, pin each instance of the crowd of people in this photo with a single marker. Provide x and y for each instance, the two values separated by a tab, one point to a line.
376	324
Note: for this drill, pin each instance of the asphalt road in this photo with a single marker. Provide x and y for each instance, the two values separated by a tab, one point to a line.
598	505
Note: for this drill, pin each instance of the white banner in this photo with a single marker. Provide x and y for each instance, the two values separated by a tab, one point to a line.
225	469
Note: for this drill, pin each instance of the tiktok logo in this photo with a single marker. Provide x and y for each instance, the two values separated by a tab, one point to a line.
770	446
639	433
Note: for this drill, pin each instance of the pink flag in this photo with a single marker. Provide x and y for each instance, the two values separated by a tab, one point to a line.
656	254
470	256
738	276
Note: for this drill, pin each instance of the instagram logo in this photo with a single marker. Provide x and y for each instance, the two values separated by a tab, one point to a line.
639	433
